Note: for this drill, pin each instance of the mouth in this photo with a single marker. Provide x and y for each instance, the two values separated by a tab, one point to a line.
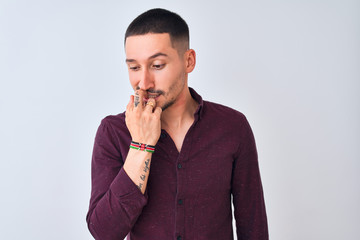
152	95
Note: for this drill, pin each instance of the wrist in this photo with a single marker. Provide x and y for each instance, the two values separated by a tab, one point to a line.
142	146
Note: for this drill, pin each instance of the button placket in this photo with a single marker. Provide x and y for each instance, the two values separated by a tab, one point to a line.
180	207
181	172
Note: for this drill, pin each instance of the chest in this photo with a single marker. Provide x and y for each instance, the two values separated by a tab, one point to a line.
202	166
177	138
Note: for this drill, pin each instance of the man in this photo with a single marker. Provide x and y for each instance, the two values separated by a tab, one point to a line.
167	167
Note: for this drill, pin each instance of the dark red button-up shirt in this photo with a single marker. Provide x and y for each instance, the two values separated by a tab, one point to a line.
188	195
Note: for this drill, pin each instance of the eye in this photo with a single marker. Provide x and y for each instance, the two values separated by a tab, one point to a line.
134	68
158	66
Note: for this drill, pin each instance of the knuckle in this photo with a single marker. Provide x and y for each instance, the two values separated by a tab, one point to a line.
137	114
146	116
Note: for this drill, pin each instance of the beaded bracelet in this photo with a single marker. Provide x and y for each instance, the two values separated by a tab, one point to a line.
142	147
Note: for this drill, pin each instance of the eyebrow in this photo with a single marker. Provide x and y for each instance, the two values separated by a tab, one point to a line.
159	54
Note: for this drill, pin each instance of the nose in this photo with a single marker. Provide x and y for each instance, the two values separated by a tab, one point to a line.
146	80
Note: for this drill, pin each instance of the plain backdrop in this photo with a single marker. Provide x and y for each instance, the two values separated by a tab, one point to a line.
292	67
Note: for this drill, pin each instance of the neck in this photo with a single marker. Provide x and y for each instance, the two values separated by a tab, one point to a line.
181	113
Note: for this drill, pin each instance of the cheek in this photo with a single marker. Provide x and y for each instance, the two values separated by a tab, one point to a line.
163	74
171	74
162	78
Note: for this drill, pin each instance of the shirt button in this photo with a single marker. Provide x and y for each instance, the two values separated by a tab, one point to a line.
179	166
178	238
180	202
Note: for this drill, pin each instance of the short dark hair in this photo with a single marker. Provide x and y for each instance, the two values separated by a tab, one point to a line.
159	20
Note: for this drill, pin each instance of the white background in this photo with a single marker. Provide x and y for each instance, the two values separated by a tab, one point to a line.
292	67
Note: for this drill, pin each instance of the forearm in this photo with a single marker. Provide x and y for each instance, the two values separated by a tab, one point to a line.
116	202
117	211
137	167
112	215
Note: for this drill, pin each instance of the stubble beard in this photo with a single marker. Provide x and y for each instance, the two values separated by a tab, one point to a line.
174	87
167	104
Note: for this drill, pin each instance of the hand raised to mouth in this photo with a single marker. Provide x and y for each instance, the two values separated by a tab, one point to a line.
143	121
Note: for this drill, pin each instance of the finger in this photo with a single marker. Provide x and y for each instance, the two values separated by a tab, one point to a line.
158	111
139	98
150	105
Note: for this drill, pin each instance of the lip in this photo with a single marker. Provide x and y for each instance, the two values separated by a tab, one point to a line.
152	96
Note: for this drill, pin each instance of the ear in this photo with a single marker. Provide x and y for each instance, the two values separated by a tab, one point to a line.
190	60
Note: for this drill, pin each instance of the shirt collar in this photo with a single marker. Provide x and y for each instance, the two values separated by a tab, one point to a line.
199	111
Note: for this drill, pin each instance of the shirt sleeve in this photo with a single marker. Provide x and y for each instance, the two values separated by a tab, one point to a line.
115	202
248	198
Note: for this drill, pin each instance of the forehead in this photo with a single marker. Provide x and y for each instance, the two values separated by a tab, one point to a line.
143	46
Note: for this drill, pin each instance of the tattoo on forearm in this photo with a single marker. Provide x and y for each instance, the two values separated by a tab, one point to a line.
143	176
137	99
147	165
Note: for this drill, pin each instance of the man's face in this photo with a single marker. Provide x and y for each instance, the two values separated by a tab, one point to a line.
155	66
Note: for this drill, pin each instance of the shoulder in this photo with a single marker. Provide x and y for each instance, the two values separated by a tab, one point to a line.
222	113
225	119
113	132
114	120
114	124
230	124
